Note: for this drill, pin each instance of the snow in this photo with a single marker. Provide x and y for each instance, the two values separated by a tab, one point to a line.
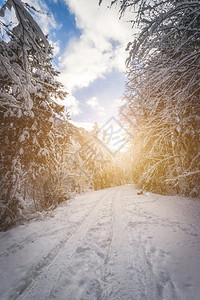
107	244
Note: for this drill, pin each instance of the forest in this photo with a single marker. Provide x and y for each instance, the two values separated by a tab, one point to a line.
46	160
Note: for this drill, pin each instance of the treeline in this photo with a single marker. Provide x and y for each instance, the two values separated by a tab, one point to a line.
44	158
162	96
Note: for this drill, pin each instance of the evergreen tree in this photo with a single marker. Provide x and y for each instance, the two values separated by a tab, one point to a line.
28	136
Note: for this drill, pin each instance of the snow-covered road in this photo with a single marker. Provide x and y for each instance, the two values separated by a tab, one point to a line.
108	244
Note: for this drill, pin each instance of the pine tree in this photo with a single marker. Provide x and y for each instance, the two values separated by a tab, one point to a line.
28	136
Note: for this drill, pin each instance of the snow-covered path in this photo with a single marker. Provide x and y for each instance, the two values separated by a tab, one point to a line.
109	244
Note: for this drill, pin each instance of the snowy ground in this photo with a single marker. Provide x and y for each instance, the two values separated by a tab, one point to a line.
109	244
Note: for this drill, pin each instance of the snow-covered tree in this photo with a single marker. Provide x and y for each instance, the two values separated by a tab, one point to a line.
162	102
28	89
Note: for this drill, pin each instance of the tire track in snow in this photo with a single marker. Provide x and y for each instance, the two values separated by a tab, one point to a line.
127	275
150	217
83	277
49	270
69	207
137	217
113	247
144	218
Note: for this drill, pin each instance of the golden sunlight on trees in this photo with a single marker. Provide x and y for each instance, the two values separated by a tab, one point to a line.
162	104
29	139
45	159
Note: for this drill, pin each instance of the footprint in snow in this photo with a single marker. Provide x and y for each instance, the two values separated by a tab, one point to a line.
81	249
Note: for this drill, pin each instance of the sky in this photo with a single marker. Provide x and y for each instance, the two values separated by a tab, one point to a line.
89	47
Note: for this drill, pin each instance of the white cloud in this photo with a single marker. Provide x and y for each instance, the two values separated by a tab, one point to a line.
100	48
72	105
95	105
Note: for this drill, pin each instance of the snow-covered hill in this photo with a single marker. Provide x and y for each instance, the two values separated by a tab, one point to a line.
109	244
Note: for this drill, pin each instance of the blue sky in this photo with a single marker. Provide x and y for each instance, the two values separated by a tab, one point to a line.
89	47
